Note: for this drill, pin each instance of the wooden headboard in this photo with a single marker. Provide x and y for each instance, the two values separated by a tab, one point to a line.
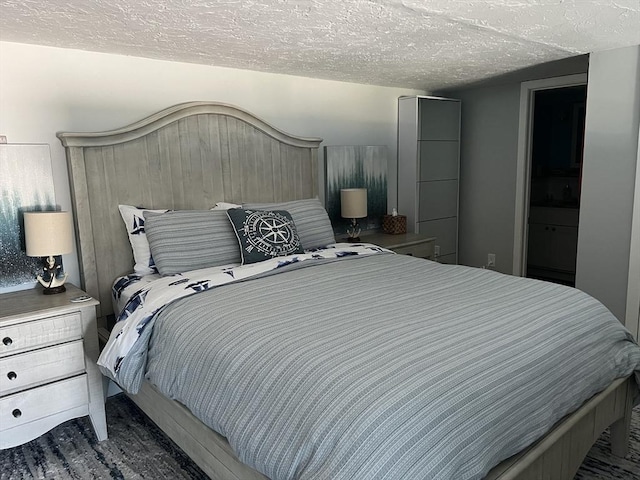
188	156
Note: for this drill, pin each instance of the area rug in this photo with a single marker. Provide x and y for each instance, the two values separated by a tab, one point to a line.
601	465
137	449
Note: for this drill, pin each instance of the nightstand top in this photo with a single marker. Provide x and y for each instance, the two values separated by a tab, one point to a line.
32	302
390	241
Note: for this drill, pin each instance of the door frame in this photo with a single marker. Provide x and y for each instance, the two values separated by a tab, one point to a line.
632	320
523	161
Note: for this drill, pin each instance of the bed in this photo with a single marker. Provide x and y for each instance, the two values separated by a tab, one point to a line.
192	156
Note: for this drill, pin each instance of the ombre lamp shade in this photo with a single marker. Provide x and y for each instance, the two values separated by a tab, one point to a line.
48	234
353	202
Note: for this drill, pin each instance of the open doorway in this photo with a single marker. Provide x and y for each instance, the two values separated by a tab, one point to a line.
553	192
555	178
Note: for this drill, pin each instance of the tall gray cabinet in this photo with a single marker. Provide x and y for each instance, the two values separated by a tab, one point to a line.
428	169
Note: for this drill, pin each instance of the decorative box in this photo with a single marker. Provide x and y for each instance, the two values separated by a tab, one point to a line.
394	225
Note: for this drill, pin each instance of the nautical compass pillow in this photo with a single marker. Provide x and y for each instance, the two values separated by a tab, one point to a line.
263	234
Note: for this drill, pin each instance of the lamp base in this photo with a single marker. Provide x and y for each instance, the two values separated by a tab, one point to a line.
353	231
54	290
52	278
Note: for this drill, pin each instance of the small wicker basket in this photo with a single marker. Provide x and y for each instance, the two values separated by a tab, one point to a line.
394	225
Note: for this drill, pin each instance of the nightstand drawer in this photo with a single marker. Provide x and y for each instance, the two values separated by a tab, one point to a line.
26	370
31	405
40	333
421	250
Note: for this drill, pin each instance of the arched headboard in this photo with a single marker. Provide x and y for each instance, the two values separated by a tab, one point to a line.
188	156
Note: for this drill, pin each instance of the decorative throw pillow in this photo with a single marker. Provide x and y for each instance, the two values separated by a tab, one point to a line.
133	218
263	235
310	217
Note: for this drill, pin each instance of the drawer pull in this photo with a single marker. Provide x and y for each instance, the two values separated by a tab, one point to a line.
16	413
7	341
12	375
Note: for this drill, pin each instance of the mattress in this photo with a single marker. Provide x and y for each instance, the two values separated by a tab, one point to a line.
380	366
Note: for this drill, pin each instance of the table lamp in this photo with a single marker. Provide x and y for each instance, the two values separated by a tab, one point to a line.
353	202
48	234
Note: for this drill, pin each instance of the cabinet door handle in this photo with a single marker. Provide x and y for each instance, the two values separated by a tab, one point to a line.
546	228
553	229
7	341
12	375
16	413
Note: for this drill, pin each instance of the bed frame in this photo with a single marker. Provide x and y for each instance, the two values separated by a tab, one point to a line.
195	154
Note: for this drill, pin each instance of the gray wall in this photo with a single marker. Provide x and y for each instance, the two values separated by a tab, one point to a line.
489	144
608	181
490	114
489	149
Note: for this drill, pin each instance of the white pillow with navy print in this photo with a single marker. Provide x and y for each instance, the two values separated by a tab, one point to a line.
133	218
226	206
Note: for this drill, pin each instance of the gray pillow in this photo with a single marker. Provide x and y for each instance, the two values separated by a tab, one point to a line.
310	217
186	240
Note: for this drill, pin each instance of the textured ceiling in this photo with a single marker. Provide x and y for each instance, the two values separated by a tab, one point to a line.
425	44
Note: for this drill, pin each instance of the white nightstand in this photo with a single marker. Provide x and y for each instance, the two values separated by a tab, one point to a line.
48	374
413	244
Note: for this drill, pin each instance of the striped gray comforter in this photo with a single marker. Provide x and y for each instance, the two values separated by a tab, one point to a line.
384	367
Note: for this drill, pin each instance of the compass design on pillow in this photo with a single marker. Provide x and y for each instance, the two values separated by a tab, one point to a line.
272	233
263	234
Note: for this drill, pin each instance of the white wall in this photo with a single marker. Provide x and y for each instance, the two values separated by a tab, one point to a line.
45	90
608	176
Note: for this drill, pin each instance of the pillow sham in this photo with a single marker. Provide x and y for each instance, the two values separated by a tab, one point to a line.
133	218
185	240
310	218
225	206
263	235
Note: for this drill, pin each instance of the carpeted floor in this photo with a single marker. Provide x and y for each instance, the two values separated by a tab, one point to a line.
137	449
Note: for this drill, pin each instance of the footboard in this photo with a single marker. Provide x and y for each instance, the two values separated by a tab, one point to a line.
560	453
